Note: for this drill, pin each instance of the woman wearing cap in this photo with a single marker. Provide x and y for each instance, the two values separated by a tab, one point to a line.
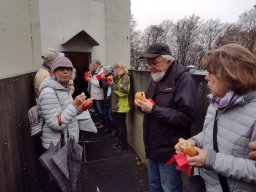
230	122
56	105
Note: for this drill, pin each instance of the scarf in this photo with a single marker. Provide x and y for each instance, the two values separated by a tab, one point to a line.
47	67
226	102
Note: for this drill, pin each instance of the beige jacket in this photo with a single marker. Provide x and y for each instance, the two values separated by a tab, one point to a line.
40	76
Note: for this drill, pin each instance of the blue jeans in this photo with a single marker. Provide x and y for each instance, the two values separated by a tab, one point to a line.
110	119
163	178
99	104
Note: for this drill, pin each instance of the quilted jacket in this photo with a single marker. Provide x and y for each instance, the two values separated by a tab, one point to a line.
236	128
55	100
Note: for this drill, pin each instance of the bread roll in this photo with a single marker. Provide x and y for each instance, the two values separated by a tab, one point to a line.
140	96
87	103
186	148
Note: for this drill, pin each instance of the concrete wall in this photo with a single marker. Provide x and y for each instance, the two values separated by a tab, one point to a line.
20	37
118	15
62	19
140	80
107	21
28	27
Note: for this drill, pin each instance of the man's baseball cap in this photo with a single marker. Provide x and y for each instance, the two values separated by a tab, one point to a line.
156	50
51	54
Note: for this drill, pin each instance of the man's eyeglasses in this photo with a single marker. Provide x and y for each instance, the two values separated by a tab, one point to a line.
153	64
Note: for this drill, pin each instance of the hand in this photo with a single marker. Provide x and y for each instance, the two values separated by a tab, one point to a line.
87	76
146	106
71	86
72	89
79	100
109	81
199	160
98	77
252	146
89	79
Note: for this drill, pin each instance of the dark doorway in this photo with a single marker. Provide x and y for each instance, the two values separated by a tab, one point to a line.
81	61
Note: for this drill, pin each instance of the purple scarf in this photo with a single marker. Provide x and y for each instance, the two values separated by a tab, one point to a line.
226	102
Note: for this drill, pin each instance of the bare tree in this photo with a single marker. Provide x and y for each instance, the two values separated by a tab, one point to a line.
153	34
190	38
210	31
135	44
207	34
230	34
186	31
157	33
247	23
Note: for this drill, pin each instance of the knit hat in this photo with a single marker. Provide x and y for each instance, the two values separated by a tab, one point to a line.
51	54
156	50
61	62
108	69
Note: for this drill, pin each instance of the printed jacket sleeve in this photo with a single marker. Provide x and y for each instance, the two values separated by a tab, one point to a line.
51	109
121	87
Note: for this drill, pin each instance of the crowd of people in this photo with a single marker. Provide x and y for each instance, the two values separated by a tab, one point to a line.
226	146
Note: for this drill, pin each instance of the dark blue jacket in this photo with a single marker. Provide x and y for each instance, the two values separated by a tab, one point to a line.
173	113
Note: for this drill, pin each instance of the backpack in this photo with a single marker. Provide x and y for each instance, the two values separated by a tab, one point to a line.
35	121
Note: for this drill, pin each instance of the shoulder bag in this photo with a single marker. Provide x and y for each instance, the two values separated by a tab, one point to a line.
223	180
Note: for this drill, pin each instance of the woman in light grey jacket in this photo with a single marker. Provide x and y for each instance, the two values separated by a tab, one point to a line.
232	82
57	106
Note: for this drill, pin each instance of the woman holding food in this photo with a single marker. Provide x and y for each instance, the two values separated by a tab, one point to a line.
59	111
230	122
57	106
120	104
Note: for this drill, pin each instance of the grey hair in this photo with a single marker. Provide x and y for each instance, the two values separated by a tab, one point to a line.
168	57
73	74
96	61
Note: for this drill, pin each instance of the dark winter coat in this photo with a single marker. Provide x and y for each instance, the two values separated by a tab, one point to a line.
104	85
173	113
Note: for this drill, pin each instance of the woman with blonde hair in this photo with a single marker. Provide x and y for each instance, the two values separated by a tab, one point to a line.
230	122
120	103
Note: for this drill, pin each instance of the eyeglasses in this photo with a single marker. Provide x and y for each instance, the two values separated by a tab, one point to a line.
153	64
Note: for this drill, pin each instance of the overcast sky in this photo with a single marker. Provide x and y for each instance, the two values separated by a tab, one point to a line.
150	12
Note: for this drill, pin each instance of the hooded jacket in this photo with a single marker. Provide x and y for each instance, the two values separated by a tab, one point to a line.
173	113
236	128
55	100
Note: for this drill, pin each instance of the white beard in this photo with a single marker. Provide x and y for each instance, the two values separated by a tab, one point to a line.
157	76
